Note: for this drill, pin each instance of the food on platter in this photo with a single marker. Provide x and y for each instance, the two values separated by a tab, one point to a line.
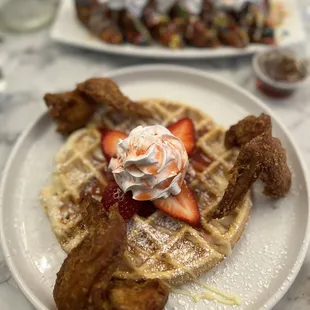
178	24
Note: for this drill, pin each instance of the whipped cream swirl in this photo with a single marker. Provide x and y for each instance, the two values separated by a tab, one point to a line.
236	5
151	163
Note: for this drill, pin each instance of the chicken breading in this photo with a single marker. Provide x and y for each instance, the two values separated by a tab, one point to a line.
97	256
136	295
73	110
70	110
262	157
106	91
85	282
247	129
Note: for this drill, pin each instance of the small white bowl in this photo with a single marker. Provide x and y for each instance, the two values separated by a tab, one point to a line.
272	87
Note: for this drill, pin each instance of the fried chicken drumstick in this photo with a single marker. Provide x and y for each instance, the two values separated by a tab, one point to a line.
97	256
85	282
261	157
72	110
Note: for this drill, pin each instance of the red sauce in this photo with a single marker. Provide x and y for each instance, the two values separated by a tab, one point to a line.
272	92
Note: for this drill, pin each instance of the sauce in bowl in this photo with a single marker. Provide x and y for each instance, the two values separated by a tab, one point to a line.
279	72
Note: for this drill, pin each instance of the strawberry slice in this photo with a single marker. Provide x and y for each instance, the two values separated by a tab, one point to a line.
147	209
109	141
127	206
182	206
200	160
184	130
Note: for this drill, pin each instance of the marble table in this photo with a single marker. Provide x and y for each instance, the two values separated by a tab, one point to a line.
32	64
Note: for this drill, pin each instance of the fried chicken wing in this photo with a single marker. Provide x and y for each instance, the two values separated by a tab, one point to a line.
142	295
106	91
70	110
275	172
97	256
262	157
247	129
85	282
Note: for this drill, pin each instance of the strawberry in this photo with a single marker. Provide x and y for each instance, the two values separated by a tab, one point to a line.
109	140
200	160
147	209
127	206
182	206
185	131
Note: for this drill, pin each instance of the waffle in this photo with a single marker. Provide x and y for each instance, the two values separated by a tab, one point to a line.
158	246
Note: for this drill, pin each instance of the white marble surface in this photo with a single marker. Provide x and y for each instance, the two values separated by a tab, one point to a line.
33	64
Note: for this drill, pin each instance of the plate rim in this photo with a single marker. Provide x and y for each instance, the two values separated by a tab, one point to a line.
280	292
111	49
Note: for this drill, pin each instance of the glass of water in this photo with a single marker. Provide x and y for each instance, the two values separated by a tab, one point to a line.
27	15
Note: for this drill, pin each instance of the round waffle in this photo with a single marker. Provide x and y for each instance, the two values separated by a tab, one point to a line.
158	246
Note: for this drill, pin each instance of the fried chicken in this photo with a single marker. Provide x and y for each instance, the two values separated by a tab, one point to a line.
85	282
70	110
133	295
97	256
247	129
262	157
106	91
275	171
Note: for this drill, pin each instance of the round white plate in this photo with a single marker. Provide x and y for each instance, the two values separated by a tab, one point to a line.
68	30
263	264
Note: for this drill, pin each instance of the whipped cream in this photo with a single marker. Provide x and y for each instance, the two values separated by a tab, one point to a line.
193	6
164	6
151	163
236	5
114	4
136	7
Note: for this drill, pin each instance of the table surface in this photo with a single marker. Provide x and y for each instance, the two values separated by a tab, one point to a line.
32	65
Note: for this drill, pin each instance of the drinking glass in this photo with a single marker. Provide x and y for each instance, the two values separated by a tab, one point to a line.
27	15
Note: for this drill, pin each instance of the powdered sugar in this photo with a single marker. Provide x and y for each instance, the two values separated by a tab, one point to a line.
259	260
267	251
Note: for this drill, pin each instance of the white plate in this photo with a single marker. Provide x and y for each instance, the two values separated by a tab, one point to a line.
264	262
68	30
